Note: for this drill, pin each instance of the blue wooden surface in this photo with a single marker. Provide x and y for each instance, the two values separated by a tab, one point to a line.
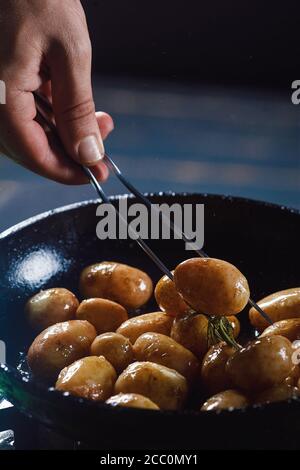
182	138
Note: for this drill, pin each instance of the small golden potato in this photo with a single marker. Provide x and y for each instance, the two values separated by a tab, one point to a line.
58	346
51	306
132	400
92	377
104	314
279	392
191	332
156	322
115	348
161	349
214	376
281	305
124	284
235	323
261	364
168	299
293	377
227	400
165	387
289	328
212	286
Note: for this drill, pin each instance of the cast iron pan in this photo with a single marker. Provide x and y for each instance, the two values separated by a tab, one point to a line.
51	249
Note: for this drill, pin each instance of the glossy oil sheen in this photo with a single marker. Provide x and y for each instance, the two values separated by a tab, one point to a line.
262	240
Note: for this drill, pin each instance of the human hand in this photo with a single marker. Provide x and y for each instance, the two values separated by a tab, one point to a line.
45	46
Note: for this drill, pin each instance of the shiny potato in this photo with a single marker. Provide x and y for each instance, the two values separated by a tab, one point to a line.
227	400
161	349
293	377
212	286
132	400
115	348
156	322
289	328
92	377
165	387
124	284
235	323
168	299
279	392
104	314
261	364
191	332
214	376
51	306
59	346
281	305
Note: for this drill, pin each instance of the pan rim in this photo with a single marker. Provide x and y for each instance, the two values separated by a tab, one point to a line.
38	388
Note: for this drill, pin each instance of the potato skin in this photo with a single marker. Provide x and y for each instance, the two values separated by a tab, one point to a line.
165	387
290	329
51	306
121	283
104	314
59	346
115	348
191	332
235	323
161	349
156	322
281	305
227	400
293	377
261	364
91	377
279	392
212	286
214	376
132	400
168	299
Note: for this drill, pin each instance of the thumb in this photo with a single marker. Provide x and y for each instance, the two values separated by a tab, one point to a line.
74	108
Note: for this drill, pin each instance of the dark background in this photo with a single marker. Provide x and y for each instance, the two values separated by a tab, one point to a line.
200	93
228	42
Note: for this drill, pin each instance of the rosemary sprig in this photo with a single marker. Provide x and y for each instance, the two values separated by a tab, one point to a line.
220	329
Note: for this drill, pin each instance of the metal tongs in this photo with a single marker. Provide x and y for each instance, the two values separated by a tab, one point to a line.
45	116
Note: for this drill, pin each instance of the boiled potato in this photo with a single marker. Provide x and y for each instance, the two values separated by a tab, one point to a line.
214	376
157	322
161	349
91	377
191	332
168	299
235	323
289	328
58	346
227	400
132	400
115	348
261	364
212	286
293	377
104	314
165	387
124	284
281	305
51	306
279	392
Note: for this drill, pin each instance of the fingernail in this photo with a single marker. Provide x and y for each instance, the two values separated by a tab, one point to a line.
90	150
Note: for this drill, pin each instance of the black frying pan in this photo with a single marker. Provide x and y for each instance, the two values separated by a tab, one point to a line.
50	250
